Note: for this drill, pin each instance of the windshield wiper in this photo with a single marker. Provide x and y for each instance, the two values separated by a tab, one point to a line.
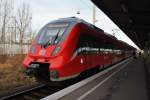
56	36
45	45
52	41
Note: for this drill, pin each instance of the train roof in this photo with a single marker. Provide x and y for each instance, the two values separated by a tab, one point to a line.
124	45
68	19
109	37
75	20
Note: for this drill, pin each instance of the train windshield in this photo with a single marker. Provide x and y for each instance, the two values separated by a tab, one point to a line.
51	33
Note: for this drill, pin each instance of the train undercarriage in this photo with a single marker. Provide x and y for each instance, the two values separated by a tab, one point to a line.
39	70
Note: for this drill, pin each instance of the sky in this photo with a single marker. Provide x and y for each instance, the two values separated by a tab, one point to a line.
44	11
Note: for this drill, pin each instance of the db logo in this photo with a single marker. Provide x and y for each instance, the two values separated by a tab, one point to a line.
42	52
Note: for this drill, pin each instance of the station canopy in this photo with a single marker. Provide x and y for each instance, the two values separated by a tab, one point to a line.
132	16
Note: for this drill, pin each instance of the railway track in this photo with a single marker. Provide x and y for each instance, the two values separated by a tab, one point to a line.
39	90
33	93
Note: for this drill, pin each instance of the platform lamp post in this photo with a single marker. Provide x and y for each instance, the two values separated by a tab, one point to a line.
114	32
94	14
78	13
94	20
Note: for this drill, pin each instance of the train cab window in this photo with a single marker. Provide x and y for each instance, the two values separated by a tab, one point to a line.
51	33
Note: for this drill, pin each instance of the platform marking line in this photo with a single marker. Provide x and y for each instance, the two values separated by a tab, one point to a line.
76	86
98	85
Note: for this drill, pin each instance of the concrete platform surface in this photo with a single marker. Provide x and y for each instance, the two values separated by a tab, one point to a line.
123	81
133	87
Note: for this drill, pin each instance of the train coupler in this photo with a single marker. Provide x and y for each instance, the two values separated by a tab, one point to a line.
32	69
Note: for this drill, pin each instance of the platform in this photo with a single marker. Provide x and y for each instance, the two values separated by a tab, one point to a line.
124	81
133	87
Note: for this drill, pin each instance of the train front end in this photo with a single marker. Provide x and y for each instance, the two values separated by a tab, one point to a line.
43	61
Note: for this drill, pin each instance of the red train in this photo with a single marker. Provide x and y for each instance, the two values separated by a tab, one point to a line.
67	47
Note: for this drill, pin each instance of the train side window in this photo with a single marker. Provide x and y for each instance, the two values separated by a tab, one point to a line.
82	44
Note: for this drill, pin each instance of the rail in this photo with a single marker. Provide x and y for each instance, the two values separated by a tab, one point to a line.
35	92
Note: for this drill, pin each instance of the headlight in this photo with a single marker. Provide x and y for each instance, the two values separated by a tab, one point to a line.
55	51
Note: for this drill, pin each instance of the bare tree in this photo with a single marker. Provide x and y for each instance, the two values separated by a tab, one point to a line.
0	5
6	10
14	26
23	19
